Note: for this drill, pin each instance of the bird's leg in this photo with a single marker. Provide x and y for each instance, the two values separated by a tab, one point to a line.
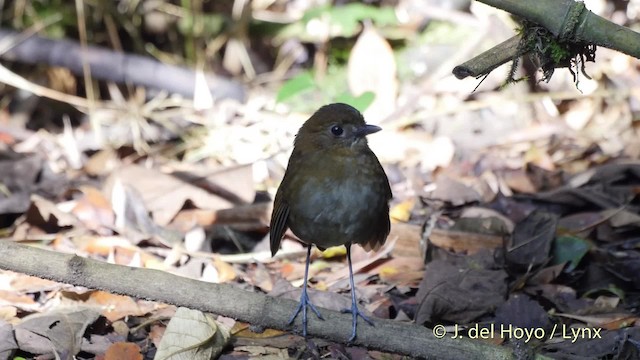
304	300
354	305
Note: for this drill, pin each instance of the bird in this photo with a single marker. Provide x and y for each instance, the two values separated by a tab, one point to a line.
334	192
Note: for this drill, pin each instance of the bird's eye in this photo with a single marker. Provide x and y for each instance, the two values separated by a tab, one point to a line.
337	130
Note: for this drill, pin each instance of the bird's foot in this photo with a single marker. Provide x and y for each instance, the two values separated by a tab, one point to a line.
302	306
355	312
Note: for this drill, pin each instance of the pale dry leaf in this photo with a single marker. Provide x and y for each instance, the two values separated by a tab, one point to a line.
9	314
486	213
236	58
17	300
454	191
7	342
226	271
119	203
202	98
619	218
413	148
28	284
607	303
372	67
518	181
94	210
580	113
192	335
263	352
196	239
102	162
69	145
115	307
164	195
210	274
101	245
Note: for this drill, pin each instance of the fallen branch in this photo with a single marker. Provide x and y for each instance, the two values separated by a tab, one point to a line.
110	65
227	300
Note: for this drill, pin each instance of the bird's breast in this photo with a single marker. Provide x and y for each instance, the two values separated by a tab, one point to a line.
339	200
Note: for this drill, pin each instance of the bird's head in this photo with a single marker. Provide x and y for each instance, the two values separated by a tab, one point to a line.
334	127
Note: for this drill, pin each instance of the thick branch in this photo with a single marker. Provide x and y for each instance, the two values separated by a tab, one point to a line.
489	60
570	20
230	301
567	20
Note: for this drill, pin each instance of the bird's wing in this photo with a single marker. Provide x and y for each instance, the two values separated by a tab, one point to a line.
278	224
384	226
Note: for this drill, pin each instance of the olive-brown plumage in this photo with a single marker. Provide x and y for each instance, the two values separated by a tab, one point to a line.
334	191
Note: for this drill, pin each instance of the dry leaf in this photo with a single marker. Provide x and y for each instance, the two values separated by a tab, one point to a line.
123	351
226	271
402	211
192	335
102	162
54	332
46	215
463	241
407	238
164	195
454	192
115	307
372	67
94	210
8	344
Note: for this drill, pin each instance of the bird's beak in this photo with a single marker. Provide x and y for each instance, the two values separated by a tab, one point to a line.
367	130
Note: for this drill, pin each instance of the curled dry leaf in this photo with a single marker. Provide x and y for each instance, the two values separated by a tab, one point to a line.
46	216
58	332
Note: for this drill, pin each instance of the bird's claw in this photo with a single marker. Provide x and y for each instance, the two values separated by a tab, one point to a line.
355	312
302	306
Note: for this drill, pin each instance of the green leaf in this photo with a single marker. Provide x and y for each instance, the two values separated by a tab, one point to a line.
212	25
571	249
348	17
345	20
295	86
361	102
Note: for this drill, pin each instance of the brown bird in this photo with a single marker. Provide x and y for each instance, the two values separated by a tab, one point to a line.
334	192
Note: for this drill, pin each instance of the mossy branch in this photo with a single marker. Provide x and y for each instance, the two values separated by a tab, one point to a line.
567	20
